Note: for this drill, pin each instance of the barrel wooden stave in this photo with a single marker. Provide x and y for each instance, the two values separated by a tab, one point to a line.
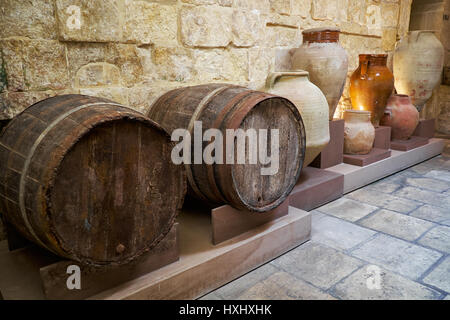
141	222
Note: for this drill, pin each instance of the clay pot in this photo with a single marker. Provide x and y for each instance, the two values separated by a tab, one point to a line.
371	85
359	132
401	115
418	63
325	60
312	104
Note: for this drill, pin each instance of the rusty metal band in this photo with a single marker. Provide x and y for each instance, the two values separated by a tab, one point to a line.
30	156
198	110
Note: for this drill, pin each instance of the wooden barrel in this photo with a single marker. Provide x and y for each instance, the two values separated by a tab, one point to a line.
89	179
223	107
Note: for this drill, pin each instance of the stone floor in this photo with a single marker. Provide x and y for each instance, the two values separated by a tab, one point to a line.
388	240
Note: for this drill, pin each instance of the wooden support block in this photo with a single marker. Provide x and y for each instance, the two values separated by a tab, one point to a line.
425	129
204	267
382	138
411	143
316	187
332	154
228	222
95	280
362	160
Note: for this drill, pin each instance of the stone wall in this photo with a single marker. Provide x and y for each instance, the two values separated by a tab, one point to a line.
133	51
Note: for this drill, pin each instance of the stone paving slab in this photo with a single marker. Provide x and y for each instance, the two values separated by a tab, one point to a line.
437	238
317	264
384	186
283	286
383	200
434	185
368	284
439	174
428	197
439	277
397	255
337	233
397	224
237	287
432	213
348	209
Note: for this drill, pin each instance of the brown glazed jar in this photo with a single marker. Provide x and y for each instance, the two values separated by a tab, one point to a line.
371	85
325	60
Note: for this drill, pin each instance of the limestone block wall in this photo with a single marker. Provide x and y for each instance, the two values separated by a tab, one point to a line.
132	51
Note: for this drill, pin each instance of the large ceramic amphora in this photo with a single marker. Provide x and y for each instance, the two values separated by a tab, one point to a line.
371	84
312	104
325	60
401	116
418	63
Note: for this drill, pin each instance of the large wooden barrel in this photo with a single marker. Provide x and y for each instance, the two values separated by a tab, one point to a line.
89	179
223	107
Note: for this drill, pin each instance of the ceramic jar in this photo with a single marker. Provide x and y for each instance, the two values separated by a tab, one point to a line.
325	60
311	103
418	63
359	133
401	115
371	85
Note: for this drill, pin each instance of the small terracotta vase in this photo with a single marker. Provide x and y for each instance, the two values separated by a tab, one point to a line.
326	61
359	132
401	115
418	63
310	102
371	85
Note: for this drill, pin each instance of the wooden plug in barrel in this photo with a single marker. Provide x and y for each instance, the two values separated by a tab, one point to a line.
225	107
89	179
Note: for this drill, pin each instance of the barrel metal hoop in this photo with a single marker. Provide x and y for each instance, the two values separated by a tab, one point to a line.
28	162
198	110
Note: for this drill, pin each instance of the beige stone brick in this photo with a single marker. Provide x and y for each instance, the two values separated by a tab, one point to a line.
261	63
12	66
82	53
403	21
134	63
206	26
13	103
357	11
389	38
34	19
261	5
281	6
301	8
174	64
141	98
390	14
116	94
324	9
98	74
221	65
280	36
45	65
150	23
92	21
374	20
247	28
